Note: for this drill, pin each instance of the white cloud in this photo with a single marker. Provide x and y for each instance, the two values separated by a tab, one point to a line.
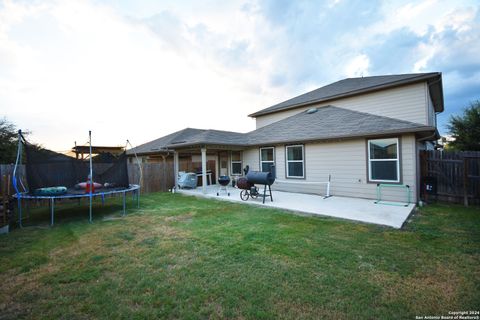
333	3
458	19
142	69
358	66
94	69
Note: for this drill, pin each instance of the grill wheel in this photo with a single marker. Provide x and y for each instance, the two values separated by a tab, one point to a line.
244	195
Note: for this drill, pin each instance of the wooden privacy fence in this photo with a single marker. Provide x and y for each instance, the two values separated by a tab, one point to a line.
6	172
455	174
156	176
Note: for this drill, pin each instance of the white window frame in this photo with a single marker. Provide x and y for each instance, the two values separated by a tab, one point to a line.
266	161
397	160
289	161
236	161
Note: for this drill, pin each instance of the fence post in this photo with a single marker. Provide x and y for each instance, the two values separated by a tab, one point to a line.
465	181
164	174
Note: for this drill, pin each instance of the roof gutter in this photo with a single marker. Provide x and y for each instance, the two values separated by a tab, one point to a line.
153	151
434	136
201	144
441	104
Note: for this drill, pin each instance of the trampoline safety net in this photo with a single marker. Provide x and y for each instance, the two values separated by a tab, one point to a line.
46	168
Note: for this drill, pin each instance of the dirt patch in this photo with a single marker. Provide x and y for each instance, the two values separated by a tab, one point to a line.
20	292
427	291
297	310
182	217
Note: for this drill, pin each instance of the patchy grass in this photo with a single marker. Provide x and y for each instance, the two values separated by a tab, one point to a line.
189	258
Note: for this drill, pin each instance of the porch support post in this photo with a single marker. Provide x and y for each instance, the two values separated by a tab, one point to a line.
204	170
175	168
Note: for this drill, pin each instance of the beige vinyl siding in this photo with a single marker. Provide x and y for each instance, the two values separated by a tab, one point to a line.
251	158
409	163
263	121
405	103
280	161
346	162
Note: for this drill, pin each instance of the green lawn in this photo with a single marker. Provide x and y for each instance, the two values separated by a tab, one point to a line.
190	258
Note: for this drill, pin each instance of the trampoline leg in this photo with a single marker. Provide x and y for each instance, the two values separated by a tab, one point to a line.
52	210
138	198
103	199
124	203
19	201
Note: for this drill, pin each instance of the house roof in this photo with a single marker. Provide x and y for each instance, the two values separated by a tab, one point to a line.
355	86
98	149
161	144
187	137
327	123
210	137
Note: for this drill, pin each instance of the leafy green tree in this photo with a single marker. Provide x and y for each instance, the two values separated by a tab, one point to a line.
8	141
465	128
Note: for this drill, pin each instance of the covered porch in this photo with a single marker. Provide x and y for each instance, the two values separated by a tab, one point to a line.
363	210
208	162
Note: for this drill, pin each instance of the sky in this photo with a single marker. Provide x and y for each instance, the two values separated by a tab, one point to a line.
142	69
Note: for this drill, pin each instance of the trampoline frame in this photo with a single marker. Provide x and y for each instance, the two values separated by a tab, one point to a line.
133	188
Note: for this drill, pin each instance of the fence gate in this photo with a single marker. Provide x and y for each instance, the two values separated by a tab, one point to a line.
452	176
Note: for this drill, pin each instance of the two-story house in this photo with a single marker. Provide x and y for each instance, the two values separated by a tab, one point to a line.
357	131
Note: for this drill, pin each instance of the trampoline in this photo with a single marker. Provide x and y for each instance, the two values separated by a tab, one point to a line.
54	177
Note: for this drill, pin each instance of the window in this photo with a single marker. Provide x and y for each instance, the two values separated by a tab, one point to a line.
295	161
383	160
267	158
236	163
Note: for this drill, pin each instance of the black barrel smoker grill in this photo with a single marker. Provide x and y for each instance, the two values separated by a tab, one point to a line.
256	177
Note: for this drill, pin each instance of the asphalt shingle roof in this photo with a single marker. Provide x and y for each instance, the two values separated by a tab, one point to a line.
330	122
349	87
161	143
190	136
326	123
212	137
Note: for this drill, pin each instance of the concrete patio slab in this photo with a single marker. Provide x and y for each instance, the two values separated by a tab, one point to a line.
364	210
